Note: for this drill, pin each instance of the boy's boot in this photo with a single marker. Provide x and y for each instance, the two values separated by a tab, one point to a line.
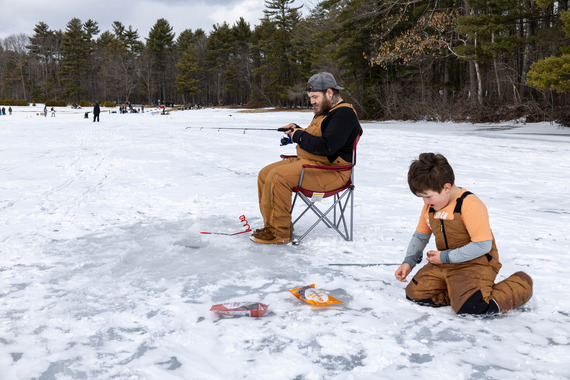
512	292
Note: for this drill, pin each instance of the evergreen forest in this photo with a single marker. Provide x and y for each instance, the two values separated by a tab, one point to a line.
461	60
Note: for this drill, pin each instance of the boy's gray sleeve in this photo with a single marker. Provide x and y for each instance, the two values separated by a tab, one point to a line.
467	252
416	248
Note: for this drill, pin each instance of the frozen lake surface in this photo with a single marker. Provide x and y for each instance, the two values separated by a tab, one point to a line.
104	273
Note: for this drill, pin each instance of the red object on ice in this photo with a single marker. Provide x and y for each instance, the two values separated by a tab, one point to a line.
247	309
245	224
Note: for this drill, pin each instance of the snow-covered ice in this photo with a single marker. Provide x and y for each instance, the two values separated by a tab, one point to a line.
104	273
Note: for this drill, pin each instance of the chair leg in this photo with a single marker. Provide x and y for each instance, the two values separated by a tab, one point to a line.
351	215
343	215
341	218
322	217
334	213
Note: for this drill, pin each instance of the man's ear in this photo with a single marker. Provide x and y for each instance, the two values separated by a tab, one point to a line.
447	187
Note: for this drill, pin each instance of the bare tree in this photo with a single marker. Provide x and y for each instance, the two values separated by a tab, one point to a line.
16	49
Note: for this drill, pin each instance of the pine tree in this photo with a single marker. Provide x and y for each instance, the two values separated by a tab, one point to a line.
188	65
44	48
131	41
553	73
201	45
184	40
160	46
279	62
220	41
120	51
75	49
239	72
502	33
93	61
261	82
356	26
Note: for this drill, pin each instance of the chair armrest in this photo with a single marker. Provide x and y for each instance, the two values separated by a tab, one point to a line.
340	168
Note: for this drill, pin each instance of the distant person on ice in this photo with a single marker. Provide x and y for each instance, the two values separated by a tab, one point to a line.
462	271
96	112
328	140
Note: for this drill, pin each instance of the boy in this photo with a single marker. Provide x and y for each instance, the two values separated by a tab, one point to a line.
462	271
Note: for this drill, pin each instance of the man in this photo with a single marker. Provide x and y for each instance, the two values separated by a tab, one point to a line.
96	112
328	140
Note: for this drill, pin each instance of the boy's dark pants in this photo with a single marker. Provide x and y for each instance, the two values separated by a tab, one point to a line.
468	287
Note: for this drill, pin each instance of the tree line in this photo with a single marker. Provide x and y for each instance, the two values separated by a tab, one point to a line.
478	60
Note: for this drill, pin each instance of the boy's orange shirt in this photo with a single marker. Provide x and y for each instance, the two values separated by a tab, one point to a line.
473	213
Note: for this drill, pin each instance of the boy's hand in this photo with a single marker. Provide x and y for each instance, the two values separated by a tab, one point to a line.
434	257
402	272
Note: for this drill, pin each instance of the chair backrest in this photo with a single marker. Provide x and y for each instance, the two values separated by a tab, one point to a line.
354	157
354	149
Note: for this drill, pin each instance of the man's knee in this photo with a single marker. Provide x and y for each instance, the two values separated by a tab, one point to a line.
262	175
285	176
274	177
269	174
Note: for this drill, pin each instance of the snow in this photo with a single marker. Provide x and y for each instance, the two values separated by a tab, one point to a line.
104	273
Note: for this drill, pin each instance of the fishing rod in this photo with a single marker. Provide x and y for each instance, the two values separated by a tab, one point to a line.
282	129
284	141
363	265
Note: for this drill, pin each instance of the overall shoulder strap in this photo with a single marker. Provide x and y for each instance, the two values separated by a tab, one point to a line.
459	203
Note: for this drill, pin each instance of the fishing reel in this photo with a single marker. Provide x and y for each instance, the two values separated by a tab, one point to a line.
285	140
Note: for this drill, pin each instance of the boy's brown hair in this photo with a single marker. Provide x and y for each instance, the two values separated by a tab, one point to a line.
430	171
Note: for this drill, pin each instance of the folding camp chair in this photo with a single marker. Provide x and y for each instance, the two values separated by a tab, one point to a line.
342	197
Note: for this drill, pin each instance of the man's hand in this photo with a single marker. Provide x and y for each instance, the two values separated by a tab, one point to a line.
290	129
286	128
402	272
434	257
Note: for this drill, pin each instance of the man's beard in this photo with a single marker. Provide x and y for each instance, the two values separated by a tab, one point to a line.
325	107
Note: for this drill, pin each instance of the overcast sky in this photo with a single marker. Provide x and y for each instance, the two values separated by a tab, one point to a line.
21	16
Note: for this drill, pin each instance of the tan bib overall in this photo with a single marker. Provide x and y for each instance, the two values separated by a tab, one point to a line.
276	181
468	286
